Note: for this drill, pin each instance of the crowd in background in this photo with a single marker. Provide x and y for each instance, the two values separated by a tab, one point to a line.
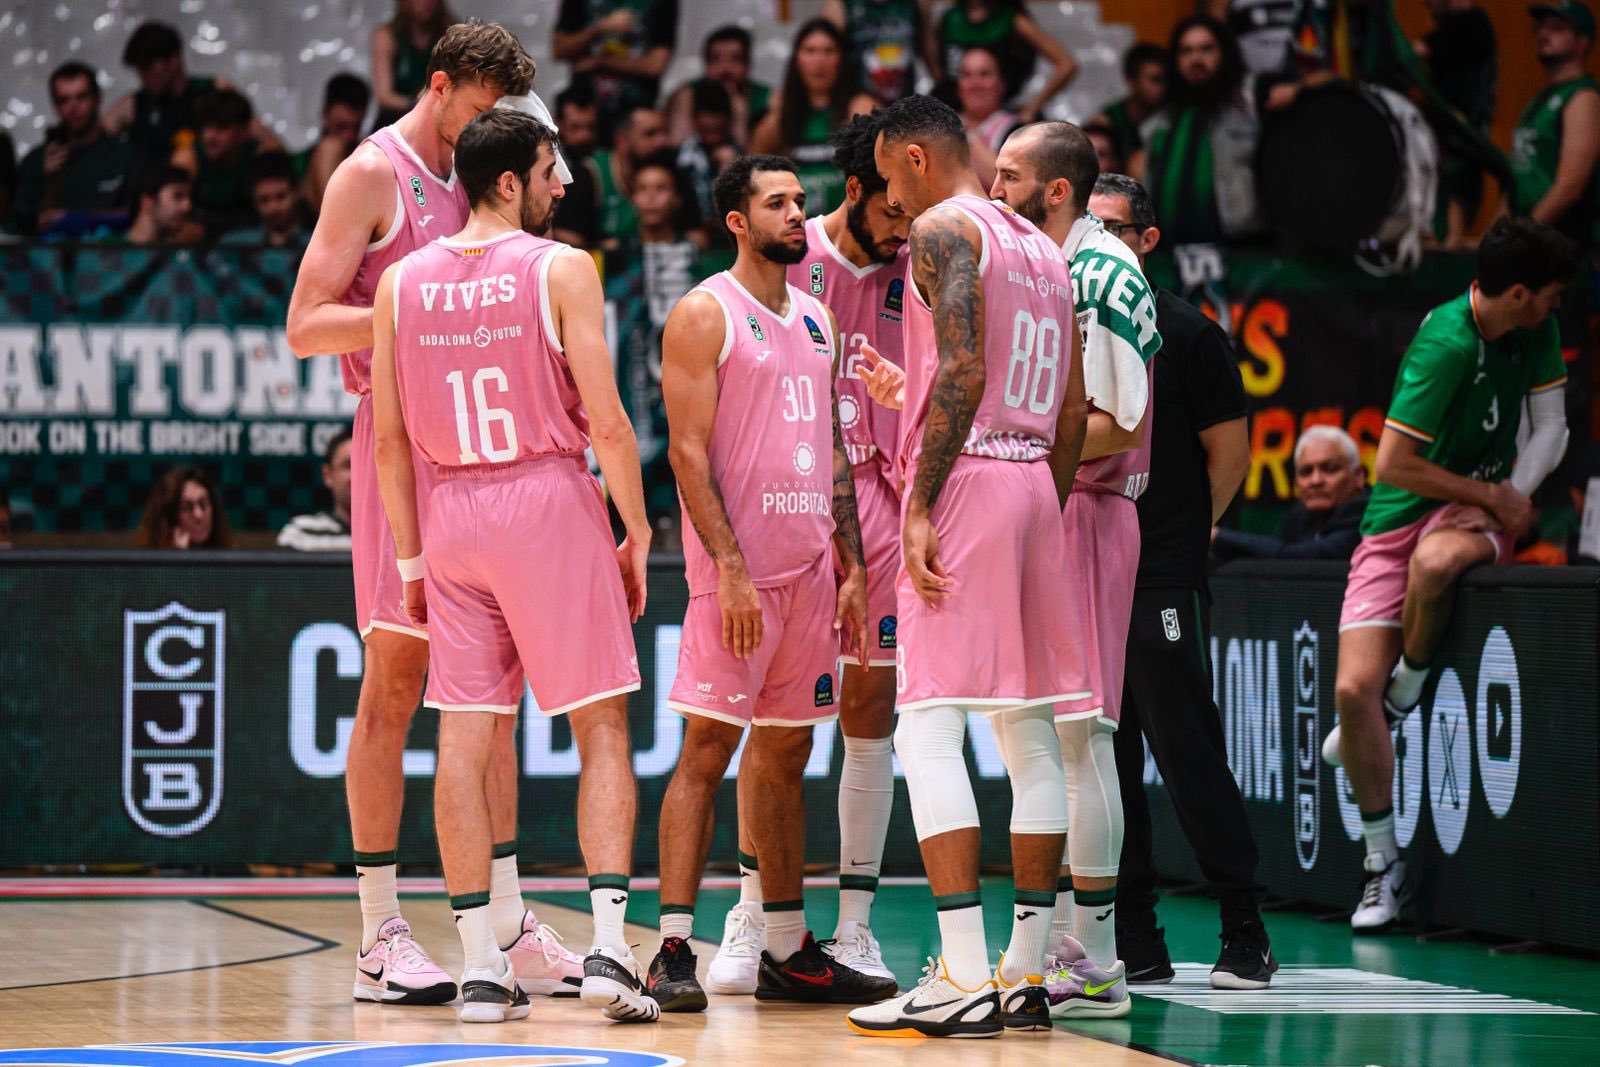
184	160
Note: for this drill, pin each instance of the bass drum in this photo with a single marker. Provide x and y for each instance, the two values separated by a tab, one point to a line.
1346	168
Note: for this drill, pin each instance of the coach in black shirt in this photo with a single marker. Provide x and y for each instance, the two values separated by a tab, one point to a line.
1199	451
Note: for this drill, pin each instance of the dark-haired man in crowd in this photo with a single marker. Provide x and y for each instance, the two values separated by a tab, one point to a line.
726	55
344	108
165	211
221	160
81	173
1452	494
279	223
326	531
606	218
1144	72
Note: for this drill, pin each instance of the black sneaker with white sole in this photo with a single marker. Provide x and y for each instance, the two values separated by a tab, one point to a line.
1025	1006
490	1000
1246	961
612	984
1144	952
811	976
671	981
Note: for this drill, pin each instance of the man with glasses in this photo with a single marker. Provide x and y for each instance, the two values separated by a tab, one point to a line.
1199	451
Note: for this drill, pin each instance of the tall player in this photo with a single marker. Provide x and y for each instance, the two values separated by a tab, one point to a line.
854	264
490	361
394	194
1448	498
1046	171
991	432
747	365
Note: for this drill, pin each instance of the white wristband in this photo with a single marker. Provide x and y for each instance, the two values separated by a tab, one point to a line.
411	569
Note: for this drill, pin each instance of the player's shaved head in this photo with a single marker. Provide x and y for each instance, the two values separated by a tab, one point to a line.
1060	150
921	151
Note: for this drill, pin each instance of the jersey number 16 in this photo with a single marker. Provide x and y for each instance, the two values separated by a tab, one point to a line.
487	416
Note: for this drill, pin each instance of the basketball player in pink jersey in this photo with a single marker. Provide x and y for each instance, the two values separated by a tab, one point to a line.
991	431
394	194
747	367
854	264
490	365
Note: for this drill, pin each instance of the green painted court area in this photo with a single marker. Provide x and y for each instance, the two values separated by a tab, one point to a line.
1338	1001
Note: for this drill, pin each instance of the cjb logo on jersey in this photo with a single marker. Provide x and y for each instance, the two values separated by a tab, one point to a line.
172	696
755	327
416	192
816	279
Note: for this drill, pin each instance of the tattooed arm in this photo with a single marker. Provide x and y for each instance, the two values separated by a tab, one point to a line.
945	247
850	617
690	344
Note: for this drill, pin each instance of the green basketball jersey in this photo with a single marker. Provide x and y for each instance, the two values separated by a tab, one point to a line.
617	217
1536	150
1461	396
813	157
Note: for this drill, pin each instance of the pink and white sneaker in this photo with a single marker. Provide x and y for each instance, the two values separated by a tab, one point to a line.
544	968
398	971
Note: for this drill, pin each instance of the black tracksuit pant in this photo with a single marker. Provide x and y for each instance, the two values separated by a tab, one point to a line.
1167	700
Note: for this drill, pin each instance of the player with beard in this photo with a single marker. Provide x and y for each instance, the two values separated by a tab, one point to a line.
395	193
854	264
747	363
490	362
993	425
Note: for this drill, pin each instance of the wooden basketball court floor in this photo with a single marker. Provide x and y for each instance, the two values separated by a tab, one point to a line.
266	978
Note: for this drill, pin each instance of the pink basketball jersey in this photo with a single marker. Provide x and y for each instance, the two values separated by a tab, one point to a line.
482	376
425	207
869	304
1127	473
1027	309
771	447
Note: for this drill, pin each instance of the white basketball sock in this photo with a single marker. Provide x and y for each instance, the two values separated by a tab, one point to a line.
380	900
1405	688
477	934
961	937
506	908
1030	930
608	903
866	796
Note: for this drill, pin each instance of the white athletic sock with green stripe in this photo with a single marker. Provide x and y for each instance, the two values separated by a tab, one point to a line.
1061	918
506	908
1030	929
608	901
380	899
961	938
1095	924
866	797
476	930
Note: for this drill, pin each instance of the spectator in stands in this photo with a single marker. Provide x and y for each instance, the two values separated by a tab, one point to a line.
344	107
621	47
1006	27
981	91
165	214
1325	523
1557	140
1199	153
1263	28
221	160
184	511
884	38
654	267
160	117
279	221
819	95
326	531
80	175
401	48
726	55
1104	139
1460	56
578	116
1144	71
710	146
605	218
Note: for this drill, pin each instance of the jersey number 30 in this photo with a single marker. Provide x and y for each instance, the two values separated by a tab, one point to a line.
1035	363
487	416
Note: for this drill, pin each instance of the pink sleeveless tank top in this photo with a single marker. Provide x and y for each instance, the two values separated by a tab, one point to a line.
1027	311
483	379
771	447
869	303
425	207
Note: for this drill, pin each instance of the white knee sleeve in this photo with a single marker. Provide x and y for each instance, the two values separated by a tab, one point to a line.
929	743
1032	755
1094	847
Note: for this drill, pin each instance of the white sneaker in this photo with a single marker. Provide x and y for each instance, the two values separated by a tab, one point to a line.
854	946
733	969
1386	890
612	983
936	1007
487	997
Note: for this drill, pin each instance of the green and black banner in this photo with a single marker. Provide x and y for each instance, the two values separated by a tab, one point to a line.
1497	773
195	710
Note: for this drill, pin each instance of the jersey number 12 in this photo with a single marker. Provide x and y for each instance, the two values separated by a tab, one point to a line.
487	416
